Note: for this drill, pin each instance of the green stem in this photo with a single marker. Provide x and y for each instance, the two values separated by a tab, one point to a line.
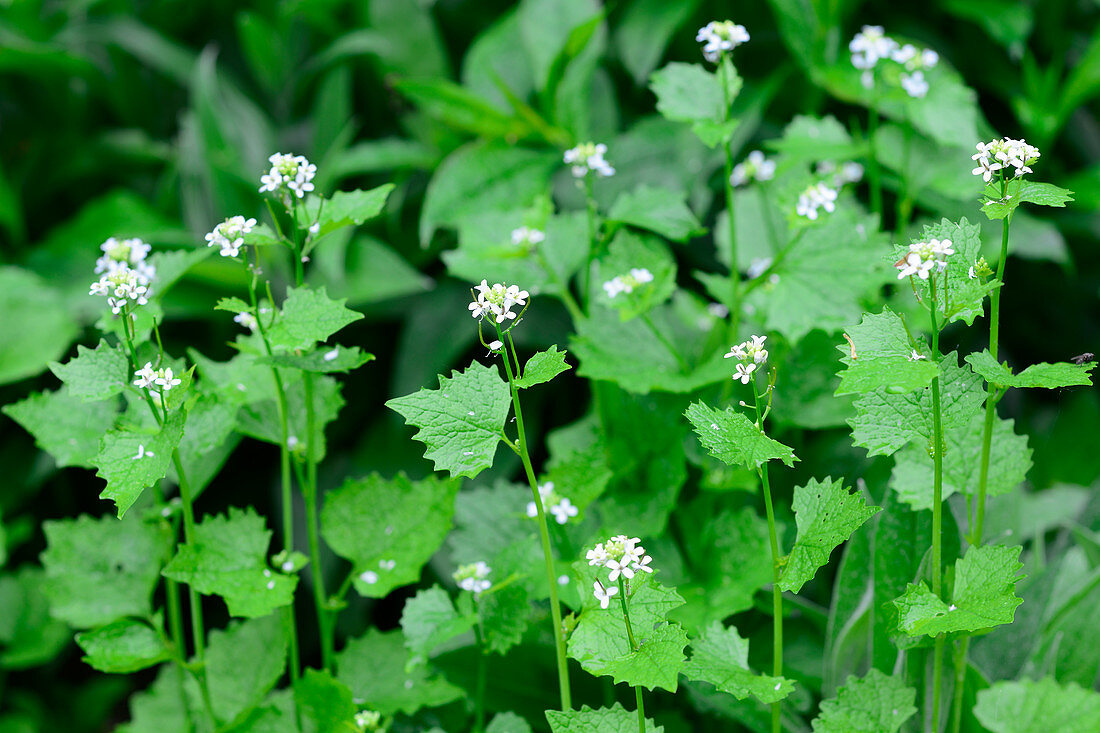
324	617
937	507
479	694
735	272
777	593
544	535
175	628
960	684
641	708
640	705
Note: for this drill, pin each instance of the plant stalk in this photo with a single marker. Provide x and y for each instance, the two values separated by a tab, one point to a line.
639	703
777	593
937	508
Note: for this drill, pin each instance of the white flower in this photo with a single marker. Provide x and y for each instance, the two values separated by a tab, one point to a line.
229	235
751	353
817	196
916	356
755	168
496	345
622	556
497	301
165	379
588	157
597	555
563	510
718	310
526	237
643	564
367	720
145	376
851	172
369	577
127	252
619	567
473	577
603	595
744	373
914	84
637	277
941	247
123	285
290	172
912	264
1003	154
247	320
870	45
560	507
314	228
923	256
719	36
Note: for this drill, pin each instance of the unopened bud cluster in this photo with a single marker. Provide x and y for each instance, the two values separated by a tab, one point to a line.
622	556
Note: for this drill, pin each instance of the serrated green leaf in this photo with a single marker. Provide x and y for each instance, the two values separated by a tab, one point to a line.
984	595
123	646
430	619
160	708
508	723
732	438
1038	706
720	656
816	138
883	357
504	611
461	422
132	459
373	666
233	305
308	316
228	558
491	525
1032	192
94	374
98	570
886	422
243	662
877	703
687	92
659	210
827	515
323	360
345	208
326	702
542	367
615	719
1045	375
28	634
387	528
64	426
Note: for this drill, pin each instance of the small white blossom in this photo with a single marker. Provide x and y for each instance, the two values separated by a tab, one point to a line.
474	577
527	237
621	555
744	373
145	376
603	595
289	172
560	507
497	301
751	352
314	228
637	277
123	285
588	157
165	380
369	577
755	168
817	196
130	253
229	235
913	264
914	84
247	320
368	720
496	345
718	310
870	45
1003	154
923	256
720	36
916	356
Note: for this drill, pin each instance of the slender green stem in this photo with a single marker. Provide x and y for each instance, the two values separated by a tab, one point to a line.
175	629
640	705
777	593
727	185
324	617
593	244
960	684
482	673
544	534
937	507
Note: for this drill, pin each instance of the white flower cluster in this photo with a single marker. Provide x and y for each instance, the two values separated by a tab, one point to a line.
751	354
848	172
923	256
247	320
755	168
817	196
124	273
527	237
289	172
157	381
1003	154
719	36
637	277
368	720
559	506
229	235
497	301
588	157
130	253
872	45
621	555
474	577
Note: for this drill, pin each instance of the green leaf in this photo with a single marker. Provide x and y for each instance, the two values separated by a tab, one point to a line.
1046	375
615	719
308	316
160	708
345	208
877	703
1038	706
542	367
243	662
504	611
228	558
132	459
643	31
687	92
885	422
99	570
1032	192
984	595
826	514
64	426
326	702
630	250
720	656
28	635
373	666
462	109
659	210
94	374
883	357
336	359
461	422
732	438
233	305
38	326
508	723
260	419
430	619
817	138
387	528
122	647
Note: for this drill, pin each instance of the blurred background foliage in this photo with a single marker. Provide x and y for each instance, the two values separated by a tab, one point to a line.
155	119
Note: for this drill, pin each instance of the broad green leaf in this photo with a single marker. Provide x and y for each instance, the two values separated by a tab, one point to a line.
38	326
687	92
504	611
345	208
64	426
1032	192
881	355
29	636
132	459
734	439
260	419
491	525
94	374
324	360
508	723
578	464
307	317
817	138
387	528
615	719
877	703
1049	376
461	109
326	702
462	421
643	31
172	266
243	662
430	619
629	251
542	367
228	558
99	570
160	708
886	422
659	210
809	401
546	29
984	595
720	656
827	515
1038	706
373	666
364	270
233	305
123	646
